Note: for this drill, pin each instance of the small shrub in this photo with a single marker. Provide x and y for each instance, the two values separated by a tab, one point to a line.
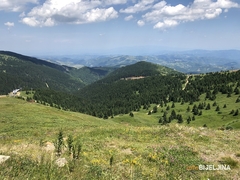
131	114
111	161
229	128
59	144
237	154
229	161
76	150
70	144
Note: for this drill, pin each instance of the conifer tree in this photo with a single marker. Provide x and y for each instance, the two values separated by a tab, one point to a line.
208	106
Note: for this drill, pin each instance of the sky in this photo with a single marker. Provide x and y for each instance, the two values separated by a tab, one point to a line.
61	27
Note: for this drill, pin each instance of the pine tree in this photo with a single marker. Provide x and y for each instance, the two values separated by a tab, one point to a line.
193	118
237	100
173	114
208	106
160	120
154	109
189	120
215	103
236	113
167	108
232	112
180	119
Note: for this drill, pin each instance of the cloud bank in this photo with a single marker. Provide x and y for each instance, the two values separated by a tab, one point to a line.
15	5
53	12
158	13
166	16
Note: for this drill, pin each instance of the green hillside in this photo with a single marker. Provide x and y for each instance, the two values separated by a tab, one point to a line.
141	68
21	73
119	148
118	93
35	60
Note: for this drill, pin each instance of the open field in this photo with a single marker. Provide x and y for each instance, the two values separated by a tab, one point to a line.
120	148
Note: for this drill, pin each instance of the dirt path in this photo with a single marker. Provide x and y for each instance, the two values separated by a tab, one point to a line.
186	82
3	96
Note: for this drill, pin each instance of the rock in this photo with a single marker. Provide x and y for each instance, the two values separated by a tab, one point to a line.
61	162
3	158
49	146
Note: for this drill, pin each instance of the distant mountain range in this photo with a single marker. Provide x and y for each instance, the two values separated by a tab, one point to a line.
195	61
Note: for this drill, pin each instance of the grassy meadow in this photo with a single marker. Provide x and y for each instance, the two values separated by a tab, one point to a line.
124	147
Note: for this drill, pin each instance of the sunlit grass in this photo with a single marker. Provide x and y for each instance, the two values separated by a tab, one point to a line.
120	148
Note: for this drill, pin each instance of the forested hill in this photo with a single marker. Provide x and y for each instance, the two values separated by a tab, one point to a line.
18	71
139	69
106	98
36	61
129	87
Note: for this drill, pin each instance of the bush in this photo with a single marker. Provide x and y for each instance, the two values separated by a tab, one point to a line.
229	128
229	161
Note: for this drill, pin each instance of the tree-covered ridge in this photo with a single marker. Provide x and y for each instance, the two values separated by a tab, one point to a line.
107	99
36	61
18	73
17	70
213	83
141	68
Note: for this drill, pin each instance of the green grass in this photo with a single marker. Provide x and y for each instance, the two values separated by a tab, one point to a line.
211	118
139	148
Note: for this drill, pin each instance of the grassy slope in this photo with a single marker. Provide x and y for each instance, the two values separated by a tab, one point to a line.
211	118
141	149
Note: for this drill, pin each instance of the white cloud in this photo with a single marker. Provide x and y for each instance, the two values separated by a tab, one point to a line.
9	24
210	14
53	12
143	5
141	23
15	5
165	16
165	24
110	2
31	21
128	18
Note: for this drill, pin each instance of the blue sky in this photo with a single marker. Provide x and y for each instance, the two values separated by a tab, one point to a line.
54	27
